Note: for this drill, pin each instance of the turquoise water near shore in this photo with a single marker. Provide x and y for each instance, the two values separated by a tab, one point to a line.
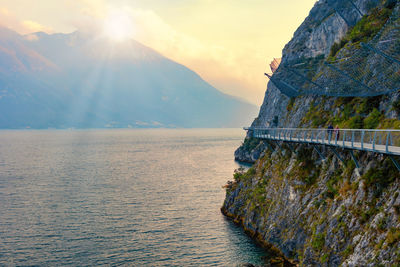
119	197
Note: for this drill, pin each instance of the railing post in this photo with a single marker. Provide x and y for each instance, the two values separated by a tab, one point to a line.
352	139
329	136
387	142
391	139
373	141
344	137
290	136
336	137
323	137
362	139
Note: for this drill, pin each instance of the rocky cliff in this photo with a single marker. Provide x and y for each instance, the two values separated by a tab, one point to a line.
324	212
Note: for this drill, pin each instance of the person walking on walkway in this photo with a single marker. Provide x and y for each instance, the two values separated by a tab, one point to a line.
337	132
330	131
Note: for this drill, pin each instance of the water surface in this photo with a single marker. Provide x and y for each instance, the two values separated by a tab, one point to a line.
119	197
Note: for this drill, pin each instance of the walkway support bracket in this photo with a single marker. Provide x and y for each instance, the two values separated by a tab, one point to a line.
395	162
270	147
277	143
291	148
354	159
337	154
319	152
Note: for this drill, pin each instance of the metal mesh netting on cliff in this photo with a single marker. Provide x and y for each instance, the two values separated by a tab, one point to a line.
347	10
362	69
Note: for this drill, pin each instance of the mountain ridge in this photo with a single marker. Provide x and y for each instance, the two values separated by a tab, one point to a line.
99	83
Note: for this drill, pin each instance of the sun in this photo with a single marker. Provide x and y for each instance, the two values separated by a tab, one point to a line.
118	26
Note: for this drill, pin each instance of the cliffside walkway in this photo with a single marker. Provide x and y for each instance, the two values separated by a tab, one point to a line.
378	141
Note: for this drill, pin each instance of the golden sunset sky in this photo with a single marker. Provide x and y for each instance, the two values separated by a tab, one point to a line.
229	43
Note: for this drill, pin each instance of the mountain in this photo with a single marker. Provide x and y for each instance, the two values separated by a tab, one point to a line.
83	81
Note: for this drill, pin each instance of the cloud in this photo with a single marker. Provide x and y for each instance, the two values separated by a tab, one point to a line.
9	20
31	26
230	70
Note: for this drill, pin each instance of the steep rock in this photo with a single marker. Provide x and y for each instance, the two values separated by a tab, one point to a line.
322	212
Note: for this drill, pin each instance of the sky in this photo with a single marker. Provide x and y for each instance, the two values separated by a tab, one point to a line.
229	43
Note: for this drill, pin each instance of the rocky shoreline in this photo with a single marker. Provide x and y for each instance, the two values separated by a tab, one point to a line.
327	215
275	256
314	211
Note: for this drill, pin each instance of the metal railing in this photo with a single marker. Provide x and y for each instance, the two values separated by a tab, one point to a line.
379	141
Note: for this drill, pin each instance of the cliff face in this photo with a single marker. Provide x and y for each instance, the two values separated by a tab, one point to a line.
321	213
324	212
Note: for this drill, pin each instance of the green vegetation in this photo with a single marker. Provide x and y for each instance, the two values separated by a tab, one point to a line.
389	124
393	236
348	251
373	119
381	224
316	115
259	193
318	241
358	113
290	105
352	113
369	25
364	30
324	258
306	168
250	143
332	184
242	175
377	179
365	215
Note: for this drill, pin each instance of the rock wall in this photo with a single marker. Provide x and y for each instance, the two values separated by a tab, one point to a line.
321	212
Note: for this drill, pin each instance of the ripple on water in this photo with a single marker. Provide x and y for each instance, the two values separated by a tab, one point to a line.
120	197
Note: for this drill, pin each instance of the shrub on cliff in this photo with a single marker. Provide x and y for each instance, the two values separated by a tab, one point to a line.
365	29
372	120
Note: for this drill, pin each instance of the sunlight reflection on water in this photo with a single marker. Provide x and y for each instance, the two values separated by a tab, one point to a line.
136	197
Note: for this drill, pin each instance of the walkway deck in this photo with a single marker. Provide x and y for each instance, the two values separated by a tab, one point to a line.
378	141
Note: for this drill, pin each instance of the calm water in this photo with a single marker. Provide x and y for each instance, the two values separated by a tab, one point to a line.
119	197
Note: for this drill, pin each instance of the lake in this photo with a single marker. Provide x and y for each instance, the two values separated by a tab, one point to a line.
119	197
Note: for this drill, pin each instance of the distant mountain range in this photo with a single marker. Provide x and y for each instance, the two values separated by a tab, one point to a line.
80	81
